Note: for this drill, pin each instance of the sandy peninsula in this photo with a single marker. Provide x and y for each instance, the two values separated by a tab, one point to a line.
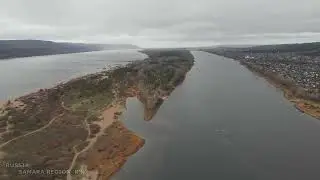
75	127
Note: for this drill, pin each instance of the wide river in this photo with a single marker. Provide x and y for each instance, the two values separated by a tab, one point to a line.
23	75
222	123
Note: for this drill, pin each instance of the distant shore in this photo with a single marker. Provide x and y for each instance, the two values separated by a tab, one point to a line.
29	48
305	100
306	106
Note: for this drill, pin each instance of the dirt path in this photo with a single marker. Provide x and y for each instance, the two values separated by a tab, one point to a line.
32	132
87	127
85	120
65	108
108	119
7	128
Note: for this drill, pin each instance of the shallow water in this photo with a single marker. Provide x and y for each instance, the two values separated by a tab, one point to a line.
223	123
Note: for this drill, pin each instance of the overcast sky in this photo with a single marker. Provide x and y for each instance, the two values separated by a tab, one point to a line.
161	23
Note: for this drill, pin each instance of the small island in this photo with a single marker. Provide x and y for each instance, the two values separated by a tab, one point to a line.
74	130
294	68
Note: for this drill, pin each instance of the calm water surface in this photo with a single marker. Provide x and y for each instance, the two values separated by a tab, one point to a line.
22	75
223	123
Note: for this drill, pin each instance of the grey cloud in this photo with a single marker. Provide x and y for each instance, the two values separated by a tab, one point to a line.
155	23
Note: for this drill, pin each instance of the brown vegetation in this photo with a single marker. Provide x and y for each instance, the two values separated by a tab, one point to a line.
52	152
112	149
76	124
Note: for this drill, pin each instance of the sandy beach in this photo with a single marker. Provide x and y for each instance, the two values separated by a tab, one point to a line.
108	116
107	119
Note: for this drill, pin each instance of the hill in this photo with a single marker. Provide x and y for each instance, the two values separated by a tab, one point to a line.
308	49
26	48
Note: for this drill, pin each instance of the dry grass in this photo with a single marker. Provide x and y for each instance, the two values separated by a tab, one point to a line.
61	127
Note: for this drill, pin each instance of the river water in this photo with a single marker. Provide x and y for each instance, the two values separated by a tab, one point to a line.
223	123
23	75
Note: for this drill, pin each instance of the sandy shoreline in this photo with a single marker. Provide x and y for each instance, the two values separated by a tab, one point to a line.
108	116
115	137
107	119
304	106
